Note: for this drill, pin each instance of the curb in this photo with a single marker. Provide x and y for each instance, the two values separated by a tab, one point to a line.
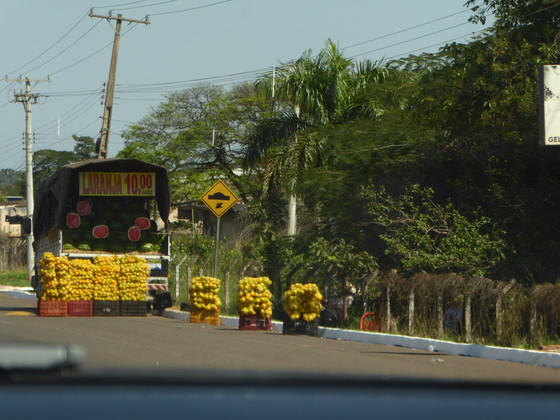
529	357
19	292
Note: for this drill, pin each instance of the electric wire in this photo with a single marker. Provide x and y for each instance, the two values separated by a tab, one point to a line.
405	30
51	47
93	54
66	49
190	9
119	5
409	40
148	5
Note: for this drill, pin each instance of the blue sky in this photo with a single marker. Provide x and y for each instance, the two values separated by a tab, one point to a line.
186	42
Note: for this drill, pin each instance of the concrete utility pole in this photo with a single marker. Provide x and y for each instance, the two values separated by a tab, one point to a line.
110	89
27	98
292	203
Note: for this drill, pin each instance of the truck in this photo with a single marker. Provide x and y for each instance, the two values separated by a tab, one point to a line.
105	207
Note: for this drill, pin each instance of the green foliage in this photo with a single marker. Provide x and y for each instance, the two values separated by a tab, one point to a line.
14	278
196	245
196	134
47	161
424	235
341	259
12	182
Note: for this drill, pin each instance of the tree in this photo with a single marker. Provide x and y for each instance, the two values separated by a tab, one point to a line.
12	182
423	235
197	135
84	148
313	92
343	262
480	101
46	161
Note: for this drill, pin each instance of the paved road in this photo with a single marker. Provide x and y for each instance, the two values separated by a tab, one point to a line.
162	343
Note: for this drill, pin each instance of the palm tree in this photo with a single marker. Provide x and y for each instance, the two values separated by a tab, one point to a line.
312	92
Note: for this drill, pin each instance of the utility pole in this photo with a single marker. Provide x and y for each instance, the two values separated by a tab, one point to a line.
27	98
110	89
292	201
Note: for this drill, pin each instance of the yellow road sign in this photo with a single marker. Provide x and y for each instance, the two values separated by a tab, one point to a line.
219	198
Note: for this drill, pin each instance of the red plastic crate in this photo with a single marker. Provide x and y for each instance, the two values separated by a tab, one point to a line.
80	308
370	321
253	323
52	307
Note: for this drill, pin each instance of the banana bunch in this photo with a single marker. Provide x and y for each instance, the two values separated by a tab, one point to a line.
106	277
54	277
303	301
80	280
132	278
204	293
254	297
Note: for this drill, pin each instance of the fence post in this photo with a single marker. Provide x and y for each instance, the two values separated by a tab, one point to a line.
499	314
411	312
388	310
177	268
468	325
189	281
439	315
226	291
533	323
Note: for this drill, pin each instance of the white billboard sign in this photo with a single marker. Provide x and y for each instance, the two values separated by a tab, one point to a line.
549	104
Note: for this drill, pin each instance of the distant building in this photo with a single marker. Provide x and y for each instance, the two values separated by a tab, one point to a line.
201	219
13	206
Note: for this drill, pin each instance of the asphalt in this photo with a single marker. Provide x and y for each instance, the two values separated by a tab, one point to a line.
531	357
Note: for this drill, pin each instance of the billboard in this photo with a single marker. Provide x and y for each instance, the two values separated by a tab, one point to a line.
549	104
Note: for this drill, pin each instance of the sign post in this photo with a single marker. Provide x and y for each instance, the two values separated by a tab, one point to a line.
219	199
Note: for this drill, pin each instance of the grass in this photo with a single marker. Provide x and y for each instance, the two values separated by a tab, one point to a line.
14	278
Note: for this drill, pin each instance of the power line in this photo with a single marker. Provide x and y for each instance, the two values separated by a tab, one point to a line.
190	9
405	30
51	47
147	5
66	49
91	55
435	45
410	40
119	5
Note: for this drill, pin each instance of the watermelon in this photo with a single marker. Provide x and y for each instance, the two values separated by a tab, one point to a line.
147	247
143	223
84	247
100	231
67	247
157	238
83	207
134	233
73	220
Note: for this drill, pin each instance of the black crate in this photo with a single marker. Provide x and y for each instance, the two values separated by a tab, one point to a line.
297	326
133	308
162	301
106	308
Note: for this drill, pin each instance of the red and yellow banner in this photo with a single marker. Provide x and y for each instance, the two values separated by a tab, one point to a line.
130	184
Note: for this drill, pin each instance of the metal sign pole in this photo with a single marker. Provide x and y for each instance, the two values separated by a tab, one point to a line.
215	271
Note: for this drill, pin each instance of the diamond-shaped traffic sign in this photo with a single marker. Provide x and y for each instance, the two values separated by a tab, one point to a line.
219	198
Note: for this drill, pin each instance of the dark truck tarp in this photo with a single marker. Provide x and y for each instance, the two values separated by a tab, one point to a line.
54	192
